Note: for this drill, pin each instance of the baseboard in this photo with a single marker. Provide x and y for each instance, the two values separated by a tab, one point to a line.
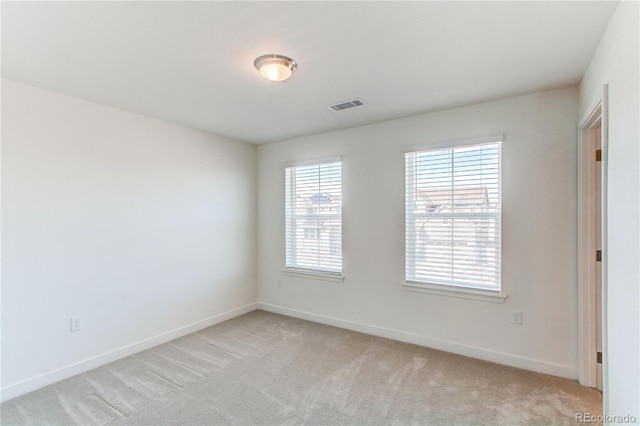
544	367
40	381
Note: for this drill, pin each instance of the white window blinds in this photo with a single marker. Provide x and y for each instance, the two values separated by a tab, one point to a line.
313	210
453	216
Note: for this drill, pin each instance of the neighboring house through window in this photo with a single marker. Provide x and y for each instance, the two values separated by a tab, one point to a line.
313	216
453	222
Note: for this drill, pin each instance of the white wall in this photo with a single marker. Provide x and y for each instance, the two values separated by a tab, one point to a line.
144	228
539	234
616	63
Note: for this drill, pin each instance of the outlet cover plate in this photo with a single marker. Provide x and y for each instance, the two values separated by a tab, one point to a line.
516	317
76	323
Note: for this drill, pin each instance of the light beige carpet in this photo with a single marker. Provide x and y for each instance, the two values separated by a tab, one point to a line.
262	369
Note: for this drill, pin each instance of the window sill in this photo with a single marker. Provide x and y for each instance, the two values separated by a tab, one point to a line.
464	293
314	275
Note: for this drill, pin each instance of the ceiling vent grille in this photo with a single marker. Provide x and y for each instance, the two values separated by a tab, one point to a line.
346	105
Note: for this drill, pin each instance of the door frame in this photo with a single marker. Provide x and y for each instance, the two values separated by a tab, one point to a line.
597	114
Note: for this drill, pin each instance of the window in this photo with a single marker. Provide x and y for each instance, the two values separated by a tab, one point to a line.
313	210
453	216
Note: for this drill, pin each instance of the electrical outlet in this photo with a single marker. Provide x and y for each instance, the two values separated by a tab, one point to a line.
516	317
279	283
76	323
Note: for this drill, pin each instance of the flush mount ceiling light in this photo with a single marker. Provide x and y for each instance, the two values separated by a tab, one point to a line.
275	67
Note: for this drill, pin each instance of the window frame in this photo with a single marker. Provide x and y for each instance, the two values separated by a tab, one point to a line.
322	274
483	293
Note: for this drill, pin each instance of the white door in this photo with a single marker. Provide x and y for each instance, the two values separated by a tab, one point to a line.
598	258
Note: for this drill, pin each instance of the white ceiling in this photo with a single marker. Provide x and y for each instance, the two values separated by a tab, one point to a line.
192	62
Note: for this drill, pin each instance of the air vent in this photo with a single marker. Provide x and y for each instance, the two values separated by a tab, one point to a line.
346	105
